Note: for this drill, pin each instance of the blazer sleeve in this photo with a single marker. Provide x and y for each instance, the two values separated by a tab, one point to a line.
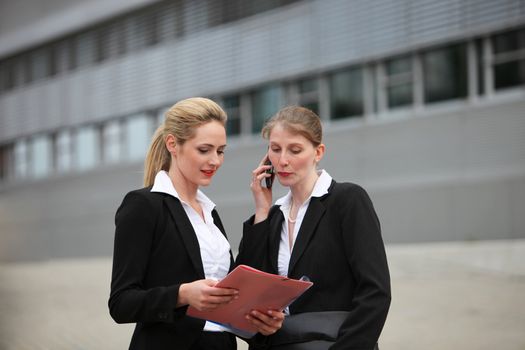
253	249
130	301
367	258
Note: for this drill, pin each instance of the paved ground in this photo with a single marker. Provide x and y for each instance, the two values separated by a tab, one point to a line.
445	296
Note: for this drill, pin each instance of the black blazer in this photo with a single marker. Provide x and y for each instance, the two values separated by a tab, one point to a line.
156	250
339	247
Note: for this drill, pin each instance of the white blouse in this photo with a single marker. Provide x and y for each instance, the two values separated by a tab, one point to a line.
214	247
320	189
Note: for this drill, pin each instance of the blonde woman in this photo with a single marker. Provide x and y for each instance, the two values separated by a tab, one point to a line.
170	245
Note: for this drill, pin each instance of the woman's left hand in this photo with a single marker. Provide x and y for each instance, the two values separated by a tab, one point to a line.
267	323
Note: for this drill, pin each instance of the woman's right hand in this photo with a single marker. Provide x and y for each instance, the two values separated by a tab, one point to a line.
261	195
204	296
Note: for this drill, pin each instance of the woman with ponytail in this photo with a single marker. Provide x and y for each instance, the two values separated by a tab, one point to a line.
170	246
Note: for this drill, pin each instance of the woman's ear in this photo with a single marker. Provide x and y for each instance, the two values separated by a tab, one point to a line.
171	144
319	152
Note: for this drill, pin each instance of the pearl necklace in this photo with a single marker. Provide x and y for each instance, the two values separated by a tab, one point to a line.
290	220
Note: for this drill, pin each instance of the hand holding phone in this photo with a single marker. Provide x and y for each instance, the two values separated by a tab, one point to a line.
269	180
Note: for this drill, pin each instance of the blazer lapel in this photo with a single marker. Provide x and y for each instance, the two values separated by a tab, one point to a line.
186	231
276	222
312	216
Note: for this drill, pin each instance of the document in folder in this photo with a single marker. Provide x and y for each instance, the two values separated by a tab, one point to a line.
258	290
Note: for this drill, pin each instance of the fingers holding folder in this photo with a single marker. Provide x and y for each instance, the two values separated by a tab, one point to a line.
257	291
204	295
266	323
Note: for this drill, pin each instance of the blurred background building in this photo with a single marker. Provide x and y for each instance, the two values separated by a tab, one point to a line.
423	104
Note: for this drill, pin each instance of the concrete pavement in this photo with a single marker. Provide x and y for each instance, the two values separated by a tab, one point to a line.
454	295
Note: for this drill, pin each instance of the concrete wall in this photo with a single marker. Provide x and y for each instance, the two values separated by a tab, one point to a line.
456	172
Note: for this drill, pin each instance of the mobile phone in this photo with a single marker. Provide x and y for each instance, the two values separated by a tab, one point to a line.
269	180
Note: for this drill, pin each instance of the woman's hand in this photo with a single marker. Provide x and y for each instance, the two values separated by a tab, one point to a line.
261	195
267	323
204	296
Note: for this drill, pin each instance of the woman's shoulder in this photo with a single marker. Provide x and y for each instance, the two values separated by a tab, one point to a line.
348	194
346	188
144	196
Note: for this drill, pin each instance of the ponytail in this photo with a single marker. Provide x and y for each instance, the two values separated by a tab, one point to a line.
157	158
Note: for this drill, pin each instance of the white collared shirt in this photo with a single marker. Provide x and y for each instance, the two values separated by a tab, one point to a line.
214	247
320	189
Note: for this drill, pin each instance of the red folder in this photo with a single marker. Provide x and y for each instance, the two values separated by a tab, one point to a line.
258	290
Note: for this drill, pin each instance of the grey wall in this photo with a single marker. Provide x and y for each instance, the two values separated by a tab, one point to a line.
453	173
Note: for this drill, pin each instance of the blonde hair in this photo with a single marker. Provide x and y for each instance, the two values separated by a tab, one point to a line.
298	120
181	121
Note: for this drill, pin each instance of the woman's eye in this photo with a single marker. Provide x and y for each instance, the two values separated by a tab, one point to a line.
296	151
203	150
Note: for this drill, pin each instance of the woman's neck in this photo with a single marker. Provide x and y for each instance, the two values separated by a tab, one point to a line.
302	190
187	191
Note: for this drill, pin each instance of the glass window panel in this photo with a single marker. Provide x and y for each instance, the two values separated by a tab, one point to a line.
7	75
87	147
41	156
103	48
481	65
112	149
346	94
265	103
399	95
509	41
445	73
138	136
399	87
509	74
85	49
509	59
161	116
308	85
4	163
232	105
399	66
21	159
63	151
309	94
39	61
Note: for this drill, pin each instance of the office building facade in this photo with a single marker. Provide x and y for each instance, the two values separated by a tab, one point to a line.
423	104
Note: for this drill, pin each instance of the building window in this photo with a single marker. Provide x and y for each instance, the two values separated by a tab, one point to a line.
509	59
85	49
6	76
63	151
399	81
21	159
445	73
138	136
103	44
265	103
86	148
308	91
111	142
4	162
41	156
346	93
39	64
232	107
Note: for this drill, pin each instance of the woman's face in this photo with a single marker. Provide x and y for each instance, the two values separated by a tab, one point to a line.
199	158
293	156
